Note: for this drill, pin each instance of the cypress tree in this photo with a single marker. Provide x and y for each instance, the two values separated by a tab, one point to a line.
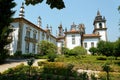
6	13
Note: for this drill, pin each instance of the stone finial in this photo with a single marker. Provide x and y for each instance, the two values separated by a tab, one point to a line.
21	14
39	21
98	13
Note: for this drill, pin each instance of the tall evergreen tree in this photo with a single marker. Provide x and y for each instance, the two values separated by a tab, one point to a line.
6	13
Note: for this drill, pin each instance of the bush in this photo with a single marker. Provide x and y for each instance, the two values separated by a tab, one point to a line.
3	55
20	72
51	57
65	50
41	63
77	51
93	50
28	55
101	58
18	54
58	68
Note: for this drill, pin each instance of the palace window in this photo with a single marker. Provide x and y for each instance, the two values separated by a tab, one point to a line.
43	36
85	45
27	47
34	35
33	48
27	33
92	44
73	39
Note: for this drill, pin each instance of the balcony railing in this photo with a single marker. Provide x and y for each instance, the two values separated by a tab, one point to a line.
30	39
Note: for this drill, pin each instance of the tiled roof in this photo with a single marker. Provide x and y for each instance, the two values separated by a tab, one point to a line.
30	23
72	31
90	35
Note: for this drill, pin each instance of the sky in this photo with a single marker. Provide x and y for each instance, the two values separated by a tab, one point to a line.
77	11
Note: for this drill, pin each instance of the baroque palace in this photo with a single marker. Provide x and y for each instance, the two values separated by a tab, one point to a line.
26	35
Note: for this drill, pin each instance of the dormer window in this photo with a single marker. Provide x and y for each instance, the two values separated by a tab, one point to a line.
100	25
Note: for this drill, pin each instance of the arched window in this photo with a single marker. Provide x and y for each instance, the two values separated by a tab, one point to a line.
100	25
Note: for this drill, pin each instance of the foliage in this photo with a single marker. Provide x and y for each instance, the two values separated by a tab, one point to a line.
105	48
106	67
51	57
113	76
47	47
5	20
20	72
41	63
93	50
94	76
58	68
18	54
77	51
59	4
101	58
30	61
84	76
3	55
29	55
65	50
117	48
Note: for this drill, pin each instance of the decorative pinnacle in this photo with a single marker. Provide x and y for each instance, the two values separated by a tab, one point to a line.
21	14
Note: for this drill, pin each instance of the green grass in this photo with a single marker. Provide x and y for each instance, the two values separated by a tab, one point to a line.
91	62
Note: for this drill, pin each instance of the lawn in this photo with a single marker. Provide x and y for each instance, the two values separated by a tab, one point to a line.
91	62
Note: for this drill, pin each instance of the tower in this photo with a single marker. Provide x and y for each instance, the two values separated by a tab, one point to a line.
21	14
39	21
100	26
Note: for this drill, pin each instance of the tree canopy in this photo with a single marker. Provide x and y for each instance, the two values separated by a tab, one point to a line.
105	48
59	4
46	47
93	50
117	48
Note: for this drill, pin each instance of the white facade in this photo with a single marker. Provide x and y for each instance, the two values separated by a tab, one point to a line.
73	36
90	42
26	36
72	40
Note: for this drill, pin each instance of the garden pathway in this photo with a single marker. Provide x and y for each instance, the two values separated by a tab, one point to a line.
13	63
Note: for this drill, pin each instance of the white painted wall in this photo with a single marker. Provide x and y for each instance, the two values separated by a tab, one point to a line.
23	38
69	41
102	33
15	37
89	41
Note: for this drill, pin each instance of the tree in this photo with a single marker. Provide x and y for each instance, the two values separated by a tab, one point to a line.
105	48
59	4
78	50
47	47
5	30
93	50
117	48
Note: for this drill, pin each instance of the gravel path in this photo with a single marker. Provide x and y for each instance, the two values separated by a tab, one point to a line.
13	63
